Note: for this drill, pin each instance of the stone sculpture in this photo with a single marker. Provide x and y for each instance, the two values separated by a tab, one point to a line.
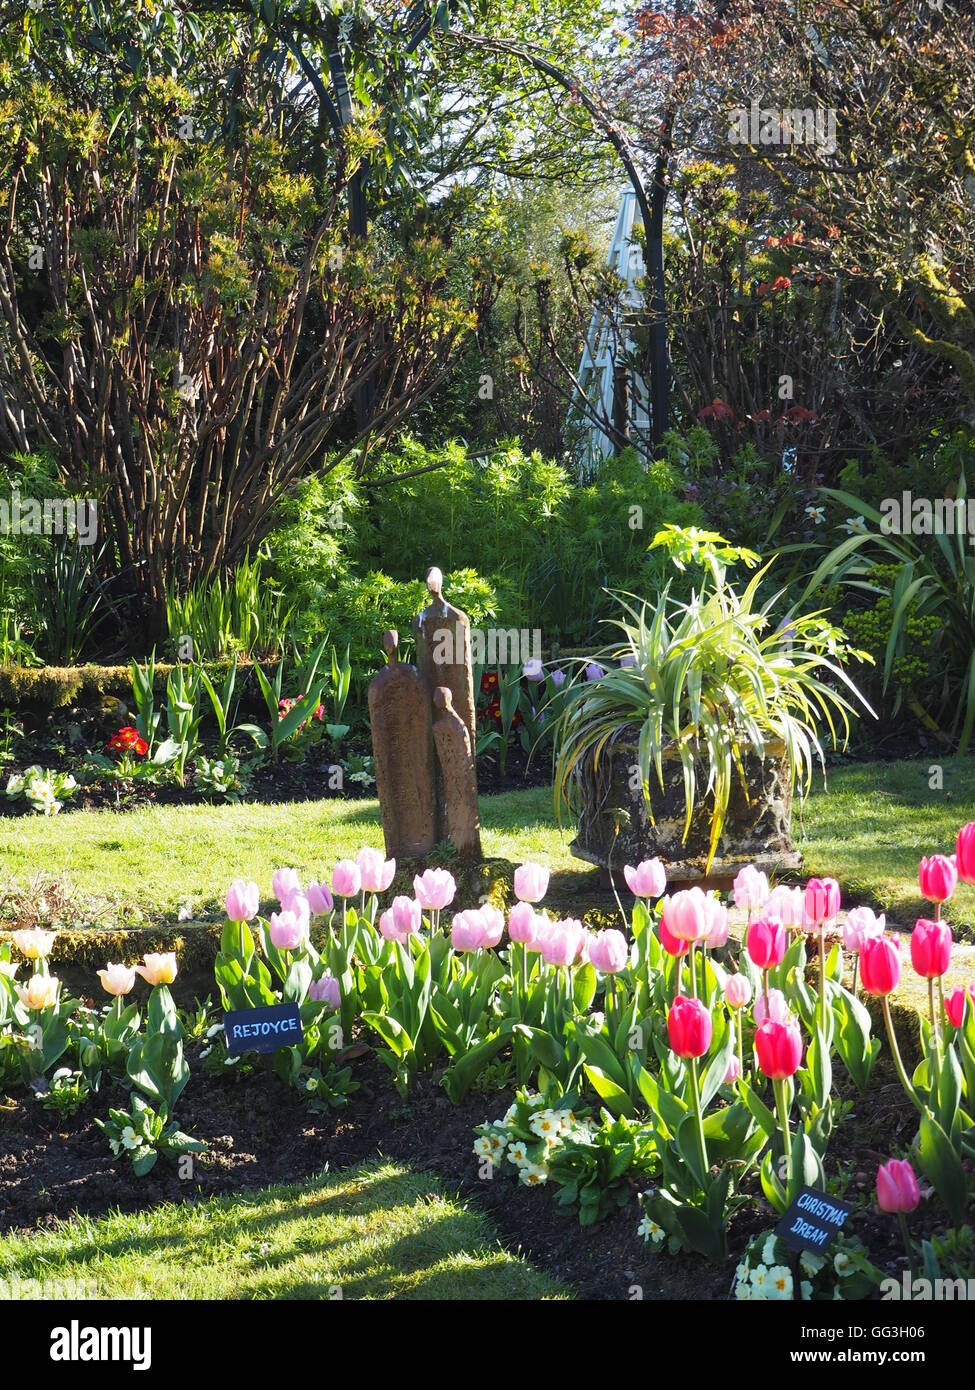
424	735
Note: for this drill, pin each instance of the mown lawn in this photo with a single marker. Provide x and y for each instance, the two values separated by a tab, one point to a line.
375	1232
868	829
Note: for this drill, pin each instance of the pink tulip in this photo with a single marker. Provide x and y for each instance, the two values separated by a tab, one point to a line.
716	918
159	968
778	1047
647	880
897	1189
476	929
524	924
689	1027
320	900
937	877
733	1072
750	888
326	991
955	1004
243	900
608	951
686	915
346	879
765	942
822	900
861	924
564	942
880	965
286	930
117	979
434	889
531	882
737	991
34	943
401	919
965	853
375	870
786	904
285	882
930	948
778	1010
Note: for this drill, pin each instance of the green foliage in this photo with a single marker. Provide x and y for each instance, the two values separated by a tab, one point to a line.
243	614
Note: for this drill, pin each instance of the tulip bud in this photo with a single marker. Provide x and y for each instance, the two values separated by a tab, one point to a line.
930	948
689	1027
897	1188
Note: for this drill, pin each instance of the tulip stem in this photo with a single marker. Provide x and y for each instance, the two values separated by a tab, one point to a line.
902	1218
935	1029
856	962
822	978
783	1109
696	1094
690	961
765	990
524	973
741	1055
896	1053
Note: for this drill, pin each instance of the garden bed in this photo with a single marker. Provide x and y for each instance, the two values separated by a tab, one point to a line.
260	1133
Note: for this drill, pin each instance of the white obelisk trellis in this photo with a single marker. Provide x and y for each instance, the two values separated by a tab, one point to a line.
606	342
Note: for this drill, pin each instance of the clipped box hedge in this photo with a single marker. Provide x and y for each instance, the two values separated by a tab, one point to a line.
57	687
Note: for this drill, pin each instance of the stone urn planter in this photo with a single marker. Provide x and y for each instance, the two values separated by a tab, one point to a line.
756	829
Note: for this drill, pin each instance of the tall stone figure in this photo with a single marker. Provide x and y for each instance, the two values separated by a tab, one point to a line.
457	774
443	651
402	743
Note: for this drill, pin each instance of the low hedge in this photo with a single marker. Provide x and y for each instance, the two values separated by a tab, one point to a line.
56	687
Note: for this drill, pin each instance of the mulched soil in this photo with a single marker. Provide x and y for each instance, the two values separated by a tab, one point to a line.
258	1132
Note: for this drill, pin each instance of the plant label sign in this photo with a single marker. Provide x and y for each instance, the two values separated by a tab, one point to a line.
263	1030
813	1220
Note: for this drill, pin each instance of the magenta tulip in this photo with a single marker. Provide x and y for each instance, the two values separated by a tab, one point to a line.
930	948
880	965
765	942
673	945
821	900
955	1004
897	1189
689	1027
778	1047
965	853
937	877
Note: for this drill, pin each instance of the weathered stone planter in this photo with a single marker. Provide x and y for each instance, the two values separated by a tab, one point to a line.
756	829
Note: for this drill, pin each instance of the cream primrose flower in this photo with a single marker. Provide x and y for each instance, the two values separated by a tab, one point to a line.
842	1264
533	1175
650	1230
759	1276
544	1124
518	1152
483	1147
768	1249
805	1291
779	1282
809	1263
129	1138
743	1291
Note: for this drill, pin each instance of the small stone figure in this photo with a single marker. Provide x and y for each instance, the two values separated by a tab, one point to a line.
457	771
402	743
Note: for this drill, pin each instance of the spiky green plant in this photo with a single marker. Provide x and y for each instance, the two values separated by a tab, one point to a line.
715	674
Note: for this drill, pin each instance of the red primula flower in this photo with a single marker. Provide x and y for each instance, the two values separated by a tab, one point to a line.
128	740
489	681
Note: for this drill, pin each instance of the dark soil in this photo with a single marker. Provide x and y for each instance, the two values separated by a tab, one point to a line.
258	1132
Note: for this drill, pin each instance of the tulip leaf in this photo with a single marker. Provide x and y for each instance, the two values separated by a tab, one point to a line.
615	1097
943	1166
